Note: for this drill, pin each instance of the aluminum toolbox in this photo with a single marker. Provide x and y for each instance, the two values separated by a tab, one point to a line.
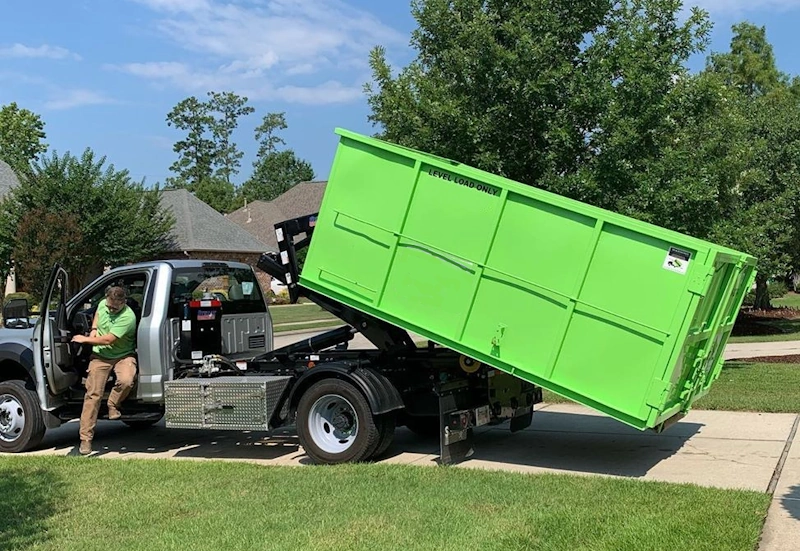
236	403
626	317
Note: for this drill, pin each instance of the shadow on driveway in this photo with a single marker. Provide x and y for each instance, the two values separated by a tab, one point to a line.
791	502
562	441
573	442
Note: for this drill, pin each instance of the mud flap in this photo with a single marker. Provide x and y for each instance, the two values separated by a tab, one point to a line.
455	432
522	419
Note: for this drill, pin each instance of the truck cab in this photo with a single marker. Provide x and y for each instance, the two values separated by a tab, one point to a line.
159	293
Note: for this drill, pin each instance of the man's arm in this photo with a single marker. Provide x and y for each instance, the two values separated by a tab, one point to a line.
105	340
93	339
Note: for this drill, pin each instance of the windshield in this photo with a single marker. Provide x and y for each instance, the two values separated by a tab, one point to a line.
236	288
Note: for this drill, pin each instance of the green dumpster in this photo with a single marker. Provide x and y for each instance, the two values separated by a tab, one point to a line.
625	317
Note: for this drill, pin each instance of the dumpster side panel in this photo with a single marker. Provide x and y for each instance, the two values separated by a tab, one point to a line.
625	317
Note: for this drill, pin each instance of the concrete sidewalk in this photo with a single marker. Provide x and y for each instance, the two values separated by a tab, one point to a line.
743	350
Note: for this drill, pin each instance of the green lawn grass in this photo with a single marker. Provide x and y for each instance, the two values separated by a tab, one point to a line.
767	387
295	313
743	386
57	503
790	300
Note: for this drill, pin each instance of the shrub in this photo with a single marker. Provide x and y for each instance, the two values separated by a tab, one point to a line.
279	298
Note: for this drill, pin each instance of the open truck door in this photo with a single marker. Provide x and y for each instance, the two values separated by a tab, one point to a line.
52	354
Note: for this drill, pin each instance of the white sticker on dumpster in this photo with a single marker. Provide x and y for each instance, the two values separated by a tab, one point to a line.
677	260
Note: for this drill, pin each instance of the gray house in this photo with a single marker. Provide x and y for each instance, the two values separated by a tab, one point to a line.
202	232
8	180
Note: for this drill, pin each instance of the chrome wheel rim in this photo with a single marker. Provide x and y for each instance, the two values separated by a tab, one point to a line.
12	418
333	424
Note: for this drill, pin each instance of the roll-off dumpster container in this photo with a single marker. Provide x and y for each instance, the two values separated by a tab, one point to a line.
625	317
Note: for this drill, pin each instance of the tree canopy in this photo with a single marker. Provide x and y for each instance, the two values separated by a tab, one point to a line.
208	156
596	102
21	136
274	171
82	213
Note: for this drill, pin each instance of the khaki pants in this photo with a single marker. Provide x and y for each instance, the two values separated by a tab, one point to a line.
99	370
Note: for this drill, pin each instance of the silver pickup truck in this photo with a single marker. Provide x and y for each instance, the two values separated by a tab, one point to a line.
41	371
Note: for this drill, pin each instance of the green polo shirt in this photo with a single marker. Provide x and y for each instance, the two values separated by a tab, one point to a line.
122	325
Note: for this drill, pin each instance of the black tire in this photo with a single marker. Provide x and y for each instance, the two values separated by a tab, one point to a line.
25	405
387	424
318	437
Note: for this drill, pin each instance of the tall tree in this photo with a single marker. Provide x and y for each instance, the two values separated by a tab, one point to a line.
21	136
196	152
575	99
119	220
274	171
750	65
217	193
766	220
227	108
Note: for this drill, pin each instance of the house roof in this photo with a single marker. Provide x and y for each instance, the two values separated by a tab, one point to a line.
198	227
303	198
259	217
8	179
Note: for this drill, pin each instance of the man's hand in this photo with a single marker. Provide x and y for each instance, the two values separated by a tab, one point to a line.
80	338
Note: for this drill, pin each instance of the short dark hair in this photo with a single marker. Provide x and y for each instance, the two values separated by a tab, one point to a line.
116	293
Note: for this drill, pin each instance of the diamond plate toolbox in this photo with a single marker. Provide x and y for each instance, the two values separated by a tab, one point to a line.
235	403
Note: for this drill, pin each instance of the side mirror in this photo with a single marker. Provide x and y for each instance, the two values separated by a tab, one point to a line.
16	314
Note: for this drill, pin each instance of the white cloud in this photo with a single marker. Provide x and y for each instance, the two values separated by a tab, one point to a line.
264	45
248	84
326	93
302	69
70	99
44	51
738	7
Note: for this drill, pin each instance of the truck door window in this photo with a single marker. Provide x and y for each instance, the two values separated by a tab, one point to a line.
134	285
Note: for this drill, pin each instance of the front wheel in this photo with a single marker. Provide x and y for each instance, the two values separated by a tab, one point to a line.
21	423
335	423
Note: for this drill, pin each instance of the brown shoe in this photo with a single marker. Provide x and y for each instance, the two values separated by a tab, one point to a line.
113	413
86	447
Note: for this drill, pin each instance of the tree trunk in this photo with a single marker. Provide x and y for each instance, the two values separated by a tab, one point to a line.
762	301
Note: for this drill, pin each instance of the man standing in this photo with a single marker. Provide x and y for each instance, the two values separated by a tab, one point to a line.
113	340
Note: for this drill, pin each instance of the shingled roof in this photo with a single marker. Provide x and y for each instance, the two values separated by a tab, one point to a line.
259	217
198	227
8	179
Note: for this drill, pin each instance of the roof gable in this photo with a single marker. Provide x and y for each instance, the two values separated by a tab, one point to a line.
8	179
198	227
259	217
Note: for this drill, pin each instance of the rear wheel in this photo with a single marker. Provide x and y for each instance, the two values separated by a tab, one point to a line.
335	423
21	423
387	425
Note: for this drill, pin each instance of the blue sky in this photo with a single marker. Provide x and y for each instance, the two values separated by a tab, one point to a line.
104	73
